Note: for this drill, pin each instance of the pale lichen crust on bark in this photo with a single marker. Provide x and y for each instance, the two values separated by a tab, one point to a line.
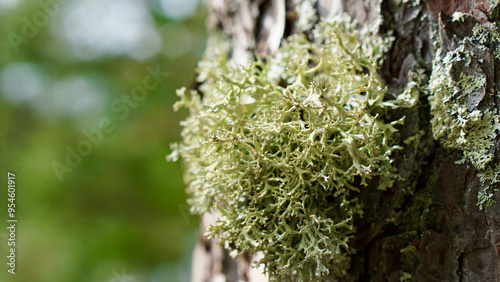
281	146
462	101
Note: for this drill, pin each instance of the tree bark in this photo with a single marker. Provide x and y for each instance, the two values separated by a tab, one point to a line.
428	227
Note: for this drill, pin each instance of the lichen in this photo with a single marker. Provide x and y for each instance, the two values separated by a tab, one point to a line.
413	89
495	39
405	277
306	15
409	249
281	147
458	85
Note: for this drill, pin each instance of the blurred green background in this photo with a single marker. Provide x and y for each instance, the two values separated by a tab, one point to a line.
119	212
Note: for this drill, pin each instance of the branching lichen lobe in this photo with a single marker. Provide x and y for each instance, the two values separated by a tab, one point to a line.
277	146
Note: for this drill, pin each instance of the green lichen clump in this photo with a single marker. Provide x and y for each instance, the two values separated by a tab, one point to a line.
281	147
458	86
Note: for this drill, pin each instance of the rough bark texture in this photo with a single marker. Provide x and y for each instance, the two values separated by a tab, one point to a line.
432	213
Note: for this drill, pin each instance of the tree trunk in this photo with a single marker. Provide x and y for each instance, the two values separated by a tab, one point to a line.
428	226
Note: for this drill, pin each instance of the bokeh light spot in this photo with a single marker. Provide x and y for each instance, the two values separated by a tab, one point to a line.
95	28
21	82
6	5
178	10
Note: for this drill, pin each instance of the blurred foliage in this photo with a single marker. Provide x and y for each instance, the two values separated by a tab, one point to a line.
120	213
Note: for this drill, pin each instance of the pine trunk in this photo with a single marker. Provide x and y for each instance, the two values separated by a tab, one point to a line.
428	226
